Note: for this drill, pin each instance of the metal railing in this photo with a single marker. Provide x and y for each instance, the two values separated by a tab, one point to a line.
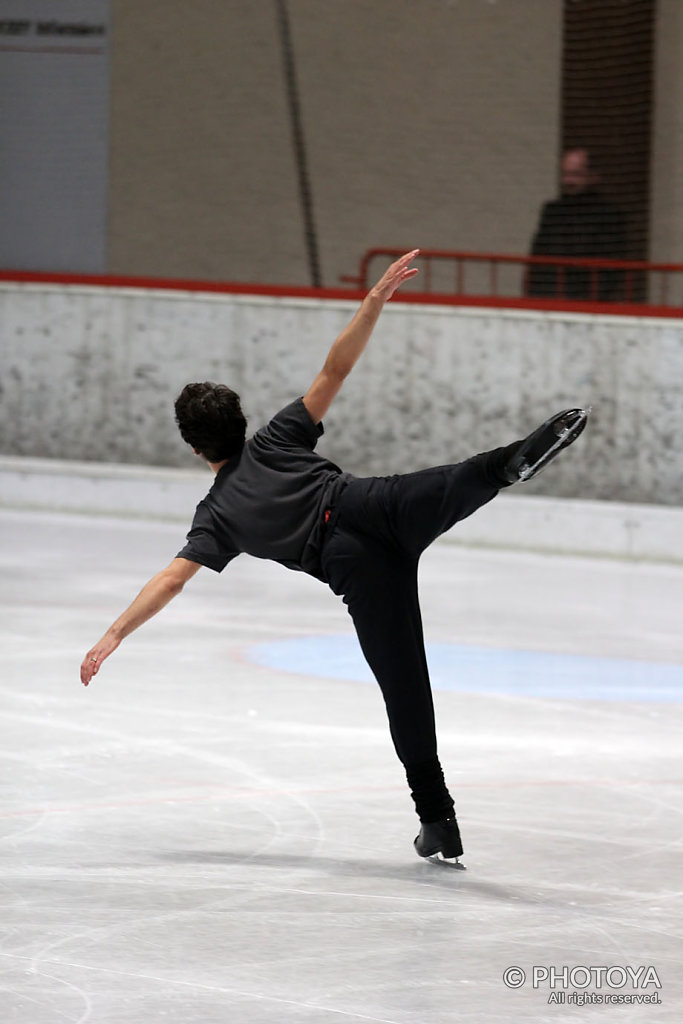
501	276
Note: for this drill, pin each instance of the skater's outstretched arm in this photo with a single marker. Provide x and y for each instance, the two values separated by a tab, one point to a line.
154	596
349	346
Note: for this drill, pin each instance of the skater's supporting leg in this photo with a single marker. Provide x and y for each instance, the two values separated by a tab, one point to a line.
380	591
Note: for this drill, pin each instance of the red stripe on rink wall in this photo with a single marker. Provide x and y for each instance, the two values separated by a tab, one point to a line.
352	294
176	284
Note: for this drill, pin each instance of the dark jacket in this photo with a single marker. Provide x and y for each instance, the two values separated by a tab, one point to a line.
580	225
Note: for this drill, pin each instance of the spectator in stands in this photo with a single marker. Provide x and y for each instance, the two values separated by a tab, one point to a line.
581	223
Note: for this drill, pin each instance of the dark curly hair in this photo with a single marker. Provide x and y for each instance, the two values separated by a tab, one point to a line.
210	418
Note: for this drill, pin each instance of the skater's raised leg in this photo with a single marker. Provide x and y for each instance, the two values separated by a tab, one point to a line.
416	508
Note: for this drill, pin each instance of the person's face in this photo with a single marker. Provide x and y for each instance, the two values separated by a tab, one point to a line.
575	172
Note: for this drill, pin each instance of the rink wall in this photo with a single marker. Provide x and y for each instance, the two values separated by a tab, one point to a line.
513	521
89	374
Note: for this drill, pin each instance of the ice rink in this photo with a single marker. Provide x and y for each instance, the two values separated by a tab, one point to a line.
217	830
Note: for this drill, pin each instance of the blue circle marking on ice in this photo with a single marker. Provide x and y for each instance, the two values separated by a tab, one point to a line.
487	670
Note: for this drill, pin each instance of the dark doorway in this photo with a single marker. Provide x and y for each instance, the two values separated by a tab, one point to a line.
607	81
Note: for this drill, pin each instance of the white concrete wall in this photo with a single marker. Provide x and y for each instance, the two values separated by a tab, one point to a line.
91	374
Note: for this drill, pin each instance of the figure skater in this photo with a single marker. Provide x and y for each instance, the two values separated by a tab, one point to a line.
274	498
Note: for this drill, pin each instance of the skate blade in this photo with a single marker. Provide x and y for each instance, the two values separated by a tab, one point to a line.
446	862
528	471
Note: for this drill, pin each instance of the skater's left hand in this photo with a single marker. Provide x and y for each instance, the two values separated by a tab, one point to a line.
394	277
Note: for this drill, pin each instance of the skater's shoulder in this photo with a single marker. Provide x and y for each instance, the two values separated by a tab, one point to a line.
292	424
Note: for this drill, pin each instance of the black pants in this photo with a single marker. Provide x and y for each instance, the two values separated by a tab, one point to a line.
370	557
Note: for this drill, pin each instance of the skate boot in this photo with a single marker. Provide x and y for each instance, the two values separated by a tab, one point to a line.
440	840
541	446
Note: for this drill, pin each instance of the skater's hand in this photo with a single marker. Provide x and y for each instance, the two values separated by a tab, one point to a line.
96	655
154	596
394	277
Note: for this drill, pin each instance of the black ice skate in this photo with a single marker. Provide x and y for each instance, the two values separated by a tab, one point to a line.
440	840
541	446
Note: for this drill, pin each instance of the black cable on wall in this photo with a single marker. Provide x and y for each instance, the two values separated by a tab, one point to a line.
299	141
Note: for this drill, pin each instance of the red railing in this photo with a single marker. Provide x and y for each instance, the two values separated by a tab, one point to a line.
448	277
466	276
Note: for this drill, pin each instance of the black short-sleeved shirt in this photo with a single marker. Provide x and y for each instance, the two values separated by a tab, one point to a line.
269	501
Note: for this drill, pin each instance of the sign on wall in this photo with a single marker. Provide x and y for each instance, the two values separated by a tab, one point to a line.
54	131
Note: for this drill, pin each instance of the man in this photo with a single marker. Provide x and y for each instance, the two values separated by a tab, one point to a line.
581	223
273	497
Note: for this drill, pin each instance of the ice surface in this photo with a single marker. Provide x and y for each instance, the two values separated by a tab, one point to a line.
205	836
